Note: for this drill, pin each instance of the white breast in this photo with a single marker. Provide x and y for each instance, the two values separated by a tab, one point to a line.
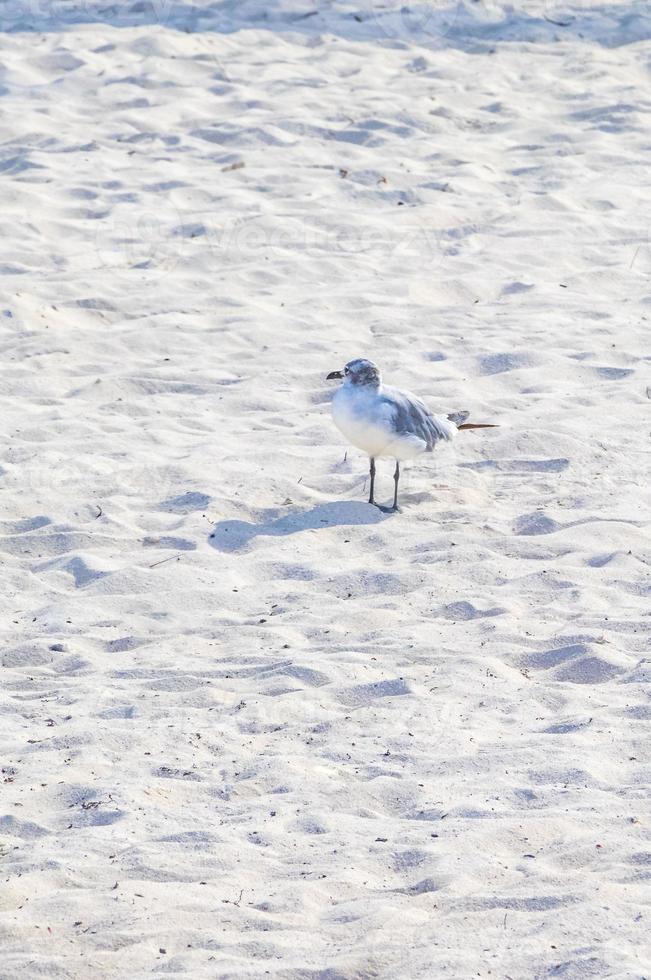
365	421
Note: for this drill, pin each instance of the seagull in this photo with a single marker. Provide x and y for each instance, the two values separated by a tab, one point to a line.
388	422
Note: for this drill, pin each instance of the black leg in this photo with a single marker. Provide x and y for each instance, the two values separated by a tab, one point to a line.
370	497
396	477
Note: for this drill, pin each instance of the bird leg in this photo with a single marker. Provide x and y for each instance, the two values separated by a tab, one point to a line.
370	497
396	477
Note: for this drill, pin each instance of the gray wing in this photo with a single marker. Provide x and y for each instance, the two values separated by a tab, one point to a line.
411	416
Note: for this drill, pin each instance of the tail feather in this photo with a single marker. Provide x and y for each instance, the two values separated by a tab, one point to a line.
459	419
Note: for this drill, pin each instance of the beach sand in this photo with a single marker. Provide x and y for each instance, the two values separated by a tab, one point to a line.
251	726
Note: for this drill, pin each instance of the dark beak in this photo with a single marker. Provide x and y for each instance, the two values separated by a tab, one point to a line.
334	375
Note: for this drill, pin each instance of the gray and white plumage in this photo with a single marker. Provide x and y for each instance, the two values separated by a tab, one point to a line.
384	421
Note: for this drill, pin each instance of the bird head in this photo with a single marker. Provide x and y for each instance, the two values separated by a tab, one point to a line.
358	372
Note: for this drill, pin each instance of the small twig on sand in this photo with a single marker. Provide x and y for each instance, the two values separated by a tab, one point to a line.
228	901
163	560
558	23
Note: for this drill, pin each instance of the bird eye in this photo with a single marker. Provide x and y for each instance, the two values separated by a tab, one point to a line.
346	371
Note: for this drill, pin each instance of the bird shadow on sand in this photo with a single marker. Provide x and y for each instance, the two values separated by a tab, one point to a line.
237	535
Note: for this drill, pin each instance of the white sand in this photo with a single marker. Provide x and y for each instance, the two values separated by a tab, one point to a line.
324	744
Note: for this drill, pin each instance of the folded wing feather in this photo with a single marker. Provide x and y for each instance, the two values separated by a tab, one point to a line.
411	416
